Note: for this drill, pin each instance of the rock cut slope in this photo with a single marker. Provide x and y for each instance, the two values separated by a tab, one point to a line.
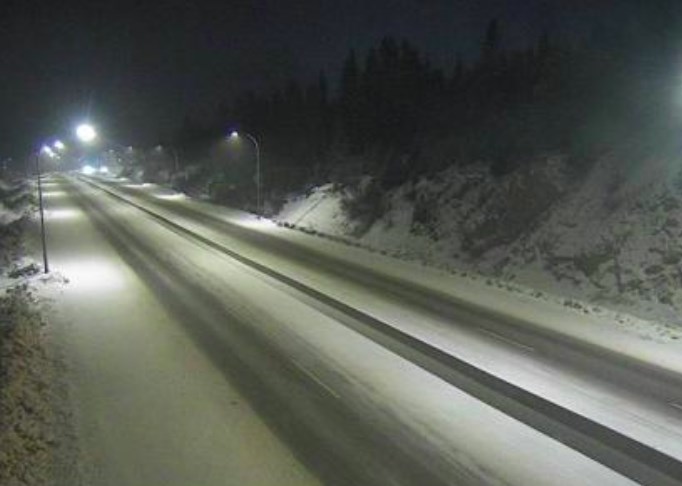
609	236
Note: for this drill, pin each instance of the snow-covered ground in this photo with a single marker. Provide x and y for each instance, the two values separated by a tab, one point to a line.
33	418
608	241
14	200
589	392
386	414
150	406
656	342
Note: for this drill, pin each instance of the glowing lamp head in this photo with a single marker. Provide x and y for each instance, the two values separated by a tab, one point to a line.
234	134
86	133
48	151
58	145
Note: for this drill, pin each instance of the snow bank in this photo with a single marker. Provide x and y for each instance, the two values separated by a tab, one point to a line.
14	201
610	238
8	216
33	413
15	206
27	428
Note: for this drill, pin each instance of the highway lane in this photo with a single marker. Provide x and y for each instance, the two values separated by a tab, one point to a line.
637	400
150	406
359	411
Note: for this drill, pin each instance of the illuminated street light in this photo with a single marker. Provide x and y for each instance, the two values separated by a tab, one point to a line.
176	160
86	133
59	145
234	135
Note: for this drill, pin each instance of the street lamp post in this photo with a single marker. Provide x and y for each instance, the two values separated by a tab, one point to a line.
86	133
235	134
175	158
46	267
174	153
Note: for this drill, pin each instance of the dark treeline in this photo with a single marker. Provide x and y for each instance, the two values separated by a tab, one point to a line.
392	114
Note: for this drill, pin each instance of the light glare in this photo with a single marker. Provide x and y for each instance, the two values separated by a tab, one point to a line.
86	133
62	213
53	194
93	275
88	170
171	197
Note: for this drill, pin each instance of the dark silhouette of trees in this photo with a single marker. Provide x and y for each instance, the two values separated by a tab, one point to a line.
401	116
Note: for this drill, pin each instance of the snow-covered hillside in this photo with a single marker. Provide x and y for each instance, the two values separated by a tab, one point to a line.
15	207
610	237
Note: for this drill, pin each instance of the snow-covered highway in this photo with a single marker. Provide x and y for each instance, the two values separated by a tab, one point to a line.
207	350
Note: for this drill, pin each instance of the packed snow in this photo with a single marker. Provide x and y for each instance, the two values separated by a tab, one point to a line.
570	319
429	421
641	339
15	211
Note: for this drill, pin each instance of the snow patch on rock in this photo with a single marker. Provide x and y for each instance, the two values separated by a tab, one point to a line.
609	239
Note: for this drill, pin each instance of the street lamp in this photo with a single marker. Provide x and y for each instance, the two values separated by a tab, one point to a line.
235	135
47	151
86	132
174	152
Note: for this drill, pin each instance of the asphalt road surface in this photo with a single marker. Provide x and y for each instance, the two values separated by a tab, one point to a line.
205	350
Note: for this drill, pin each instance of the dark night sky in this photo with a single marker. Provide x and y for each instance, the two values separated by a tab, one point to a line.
141	65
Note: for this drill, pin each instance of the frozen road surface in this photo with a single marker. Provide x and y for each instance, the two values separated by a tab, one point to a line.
209	352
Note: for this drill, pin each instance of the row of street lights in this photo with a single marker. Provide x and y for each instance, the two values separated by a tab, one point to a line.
86	134
53	152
